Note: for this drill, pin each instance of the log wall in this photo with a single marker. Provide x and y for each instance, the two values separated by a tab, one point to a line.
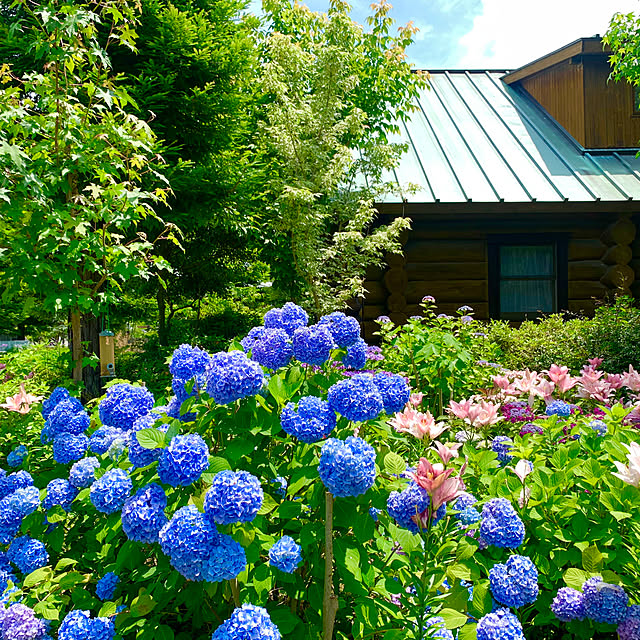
447	257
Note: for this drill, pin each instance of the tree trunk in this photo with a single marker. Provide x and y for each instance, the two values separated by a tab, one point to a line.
91	373
75	344
163	337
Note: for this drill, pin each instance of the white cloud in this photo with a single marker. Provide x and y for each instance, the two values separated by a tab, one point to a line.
508	34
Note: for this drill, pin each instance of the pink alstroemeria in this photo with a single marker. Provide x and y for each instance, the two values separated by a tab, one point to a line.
631	473
418	424
21	402
631	379
522	469
447	451
460	409
483	414
415	399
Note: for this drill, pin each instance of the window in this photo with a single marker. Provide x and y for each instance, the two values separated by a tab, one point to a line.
527	276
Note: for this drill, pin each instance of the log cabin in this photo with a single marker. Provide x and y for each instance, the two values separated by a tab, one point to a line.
523	189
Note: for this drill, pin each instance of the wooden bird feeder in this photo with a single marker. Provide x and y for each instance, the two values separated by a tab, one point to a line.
107	354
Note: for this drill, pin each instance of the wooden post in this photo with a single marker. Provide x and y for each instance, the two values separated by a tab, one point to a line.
76	346
618	236
330	600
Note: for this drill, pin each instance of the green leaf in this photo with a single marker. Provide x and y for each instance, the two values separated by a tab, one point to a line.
172	431
43	574
394	464
63	563
278	390
468	632
592	559
268	505
107	610
575	578
453	619
482	601
163	632
151	438
218	464
142	605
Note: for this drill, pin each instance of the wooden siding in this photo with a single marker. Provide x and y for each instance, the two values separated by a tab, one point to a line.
560	90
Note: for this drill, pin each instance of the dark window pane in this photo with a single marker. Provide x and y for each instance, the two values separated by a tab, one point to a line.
527	296
533	260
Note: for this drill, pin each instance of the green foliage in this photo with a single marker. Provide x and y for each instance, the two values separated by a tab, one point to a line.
331	94
623	36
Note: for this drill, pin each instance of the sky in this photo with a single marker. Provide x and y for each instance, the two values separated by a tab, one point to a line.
493	34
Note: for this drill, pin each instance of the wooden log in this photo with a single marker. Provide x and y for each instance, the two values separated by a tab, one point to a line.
398	318
375	273
635	265
459	291
376	292
618	276
585	249
618	254
396	280
395	260
397	303
586	270
448	250
582	307
447	271
372	311
369	327
622	231
586	289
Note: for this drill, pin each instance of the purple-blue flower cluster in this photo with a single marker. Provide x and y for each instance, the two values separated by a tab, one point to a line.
234	496
143	514
394	390
184	460
139	456
356	398
501	526
108	493
247	622
438	628
405	505
226	560
27	554
17	456
289	318
273	350
83	472
285	554
59	492
188	362
68	416
311	421
313	345
502	445
106	587
515	583
124	404
629	628
599	426
604	602
499	625
57	395
558	408
19	622
68	447
102	438
344	329
347	467
249	341
79	625
231	376
356	356
568	605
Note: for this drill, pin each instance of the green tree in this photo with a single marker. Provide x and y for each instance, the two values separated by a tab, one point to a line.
623	36
333	96
73	162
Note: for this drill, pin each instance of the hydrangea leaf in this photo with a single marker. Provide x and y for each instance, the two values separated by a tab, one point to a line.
142	605
43	574
394	464
592	559
151	438
575	578
268	505
453	619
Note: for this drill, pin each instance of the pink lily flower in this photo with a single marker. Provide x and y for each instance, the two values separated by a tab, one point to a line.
447	451
527	382
483	414
430	476
631	380
460	409
614	380
595	362
522	469
415	399
631	473
21	402
555	372
544	388
418	424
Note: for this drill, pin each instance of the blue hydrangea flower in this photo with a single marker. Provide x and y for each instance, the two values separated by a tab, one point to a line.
249	341
559	408
604	602
629	628
501	526
463	501
188	539
502	445
106	587
226	560
313	419
83	473
181	386
68	416
108	493
143	514
344	329
599	426
281	486
394	390
57	395
184	460
499	625
356	356
59	492
17	456
16	480
285	554
232	376
289	318
468	516
23	501
68	447
104	437
79	625
403	506
188	362
27	554
234	496
247	622
374	512
19	622
174	411
273	350
124	404
568	605
313	345
347	467
440	628
138	455
356	398
515	583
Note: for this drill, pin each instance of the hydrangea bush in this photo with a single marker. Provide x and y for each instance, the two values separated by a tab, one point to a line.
286	494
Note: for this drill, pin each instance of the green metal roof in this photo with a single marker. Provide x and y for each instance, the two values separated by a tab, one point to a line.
474	138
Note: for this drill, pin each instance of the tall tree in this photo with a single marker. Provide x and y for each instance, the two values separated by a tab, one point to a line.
623	36
333	96
73	162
